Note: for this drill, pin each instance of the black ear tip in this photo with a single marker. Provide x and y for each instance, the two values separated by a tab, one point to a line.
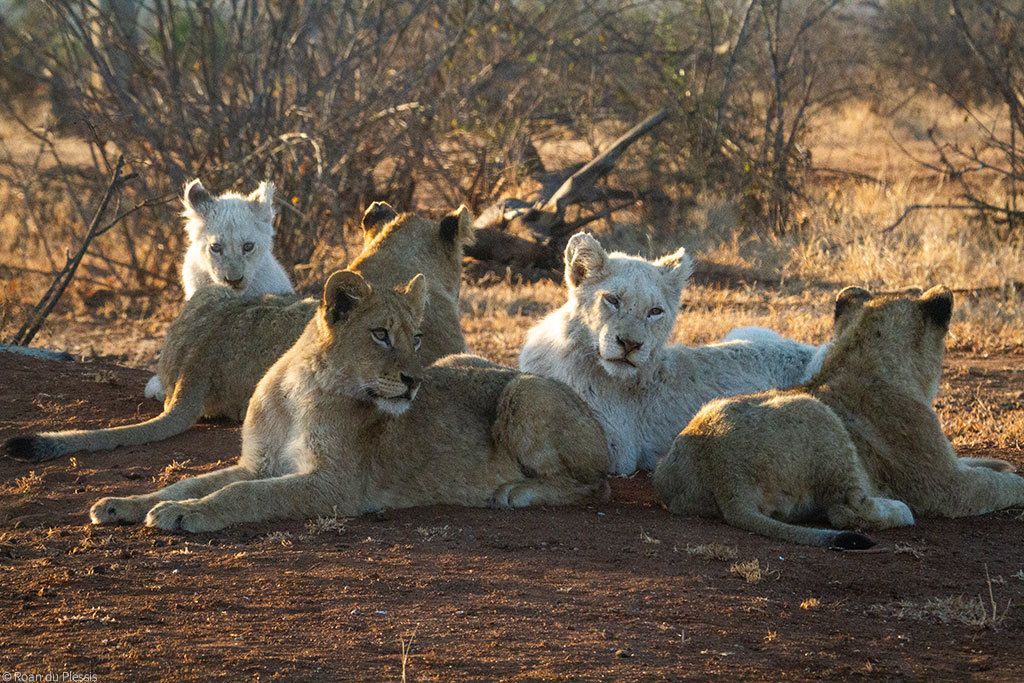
851	540
449	227
196	193
377	214
850	297
939	308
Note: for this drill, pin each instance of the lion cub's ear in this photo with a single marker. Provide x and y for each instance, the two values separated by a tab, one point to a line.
416	292
197	200
937	305
850	299
262	201
677	267
343	292
457	227
585	258
376	216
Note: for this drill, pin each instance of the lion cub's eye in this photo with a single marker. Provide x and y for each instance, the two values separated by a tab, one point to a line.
655	312
216	248
417	339
380	335
248	246
612	300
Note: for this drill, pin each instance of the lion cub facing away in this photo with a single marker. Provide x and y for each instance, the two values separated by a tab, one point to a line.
348	421
859	444
220	345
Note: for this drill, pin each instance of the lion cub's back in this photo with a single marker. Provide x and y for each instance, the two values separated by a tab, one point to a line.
233	340
773	439
460	387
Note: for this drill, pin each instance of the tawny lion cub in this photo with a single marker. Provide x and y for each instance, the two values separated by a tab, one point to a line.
858	444
220	345
348	421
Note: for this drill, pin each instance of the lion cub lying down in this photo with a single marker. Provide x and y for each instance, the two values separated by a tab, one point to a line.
220	345
858	444
348	421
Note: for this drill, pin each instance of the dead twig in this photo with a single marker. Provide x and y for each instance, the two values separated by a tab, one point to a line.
920	207
60	283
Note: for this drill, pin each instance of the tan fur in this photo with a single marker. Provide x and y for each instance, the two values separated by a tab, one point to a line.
220	345
859	444
348	421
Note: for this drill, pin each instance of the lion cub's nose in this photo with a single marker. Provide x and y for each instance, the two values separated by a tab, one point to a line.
628	345
411	383
234	283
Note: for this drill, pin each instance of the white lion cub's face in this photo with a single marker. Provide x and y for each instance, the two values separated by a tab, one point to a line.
234	232
625	304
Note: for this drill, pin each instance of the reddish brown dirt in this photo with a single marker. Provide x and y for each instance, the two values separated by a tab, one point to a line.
601	592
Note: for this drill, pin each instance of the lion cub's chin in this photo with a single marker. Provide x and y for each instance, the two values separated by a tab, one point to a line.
393	406
618	368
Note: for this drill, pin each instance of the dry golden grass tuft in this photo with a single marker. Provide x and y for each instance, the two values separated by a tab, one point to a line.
324	525
282	538
810	603
30	483
970	611
752	571
173	472
713	551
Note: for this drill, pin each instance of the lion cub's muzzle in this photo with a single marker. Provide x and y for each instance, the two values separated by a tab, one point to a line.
394	397
406	388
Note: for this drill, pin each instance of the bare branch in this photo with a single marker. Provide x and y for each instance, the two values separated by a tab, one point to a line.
63	279
920	207
553	210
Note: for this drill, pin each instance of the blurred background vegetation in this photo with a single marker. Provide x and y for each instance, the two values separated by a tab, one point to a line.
431	104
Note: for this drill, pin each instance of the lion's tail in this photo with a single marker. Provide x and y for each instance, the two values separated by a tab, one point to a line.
758	522
180	413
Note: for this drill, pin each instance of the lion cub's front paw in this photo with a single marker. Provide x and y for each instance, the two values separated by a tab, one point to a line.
171	515
117	511
513	495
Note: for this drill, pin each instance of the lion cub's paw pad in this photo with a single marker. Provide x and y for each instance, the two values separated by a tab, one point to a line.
177	516
116	511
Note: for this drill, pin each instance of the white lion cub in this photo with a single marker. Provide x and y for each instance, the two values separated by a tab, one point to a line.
608	342
230	241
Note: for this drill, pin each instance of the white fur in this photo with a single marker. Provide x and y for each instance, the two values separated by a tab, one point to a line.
643	406
232	221
814	364
155	388
755	333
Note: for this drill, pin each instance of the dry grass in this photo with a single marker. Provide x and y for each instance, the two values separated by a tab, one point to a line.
434	533
30	483
713	551
810	603
406	650
173	472
752	571
902	549
324	525
282	538
970	611
840	241
647	538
